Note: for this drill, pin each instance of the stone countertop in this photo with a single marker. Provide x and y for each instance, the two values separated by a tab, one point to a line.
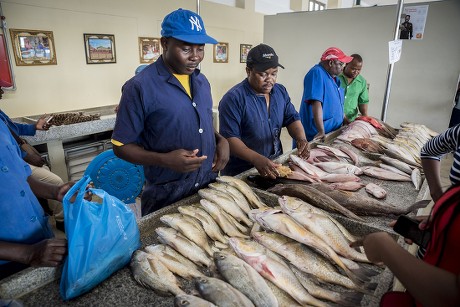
40	286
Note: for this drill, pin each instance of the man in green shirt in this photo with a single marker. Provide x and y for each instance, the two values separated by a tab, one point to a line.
355	88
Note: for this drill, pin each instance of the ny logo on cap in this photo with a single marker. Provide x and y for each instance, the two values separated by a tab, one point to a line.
195	23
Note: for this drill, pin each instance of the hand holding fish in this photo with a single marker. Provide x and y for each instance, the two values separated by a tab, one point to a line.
266	167
303	149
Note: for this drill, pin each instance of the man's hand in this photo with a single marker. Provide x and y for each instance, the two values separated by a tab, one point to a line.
319	136
183	161
49	252
41	123
266	167
222	154
303	150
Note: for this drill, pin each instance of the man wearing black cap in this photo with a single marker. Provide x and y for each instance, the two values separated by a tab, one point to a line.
164	121
252	114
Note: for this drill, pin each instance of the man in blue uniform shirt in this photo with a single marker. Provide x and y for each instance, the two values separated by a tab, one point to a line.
25	234
164	120
252	114
321	108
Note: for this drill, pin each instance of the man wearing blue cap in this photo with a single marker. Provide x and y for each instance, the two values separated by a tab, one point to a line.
164	121
252	114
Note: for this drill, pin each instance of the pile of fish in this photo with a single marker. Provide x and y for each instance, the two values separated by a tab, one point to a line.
237	251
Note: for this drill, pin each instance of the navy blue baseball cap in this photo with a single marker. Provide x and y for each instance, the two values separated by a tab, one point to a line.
186	26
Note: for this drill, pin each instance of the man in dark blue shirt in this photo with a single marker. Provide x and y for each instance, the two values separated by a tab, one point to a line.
164	120
252	114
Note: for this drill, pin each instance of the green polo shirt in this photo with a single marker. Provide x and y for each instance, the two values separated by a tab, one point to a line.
355	93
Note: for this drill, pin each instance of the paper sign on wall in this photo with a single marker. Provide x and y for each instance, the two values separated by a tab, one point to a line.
394	49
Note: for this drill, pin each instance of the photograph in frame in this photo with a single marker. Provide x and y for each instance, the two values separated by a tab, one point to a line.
100	48
220	53
149	49
33	47
244	50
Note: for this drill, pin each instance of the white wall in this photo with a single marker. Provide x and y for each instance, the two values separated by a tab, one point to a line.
72	84
424	80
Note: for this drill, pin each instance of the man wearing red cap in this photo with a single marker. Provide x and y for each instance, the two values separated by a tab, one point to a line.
321	108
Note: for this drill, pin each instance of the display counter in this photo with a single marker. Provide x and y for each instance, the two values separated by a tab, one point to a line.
40	286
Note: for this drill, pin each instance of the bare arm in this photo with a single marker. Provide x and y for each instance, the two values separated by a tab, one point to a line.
264	166
222	154
429	285
179	160
44	253
432	170
297	132
317	109
363	109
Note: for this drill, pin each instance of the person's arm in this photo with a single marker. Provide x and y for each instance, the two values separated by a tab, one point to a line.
432	170
362	109
317	109
264	165
222	154
179	160
48	252
297	132
41	123
429	285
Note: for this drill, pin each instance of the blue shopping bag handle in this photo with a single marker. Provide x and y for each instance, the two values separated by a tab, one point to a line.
80	186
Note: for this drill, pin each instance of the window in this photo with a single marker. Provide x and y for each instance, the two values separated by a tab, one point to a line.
315	5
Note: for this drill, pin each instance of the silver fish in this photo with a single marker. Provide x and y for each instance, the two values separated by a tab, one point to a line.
221	293
210	226
381	173
151	273
245	279
244	188
339	168
222	220
234	192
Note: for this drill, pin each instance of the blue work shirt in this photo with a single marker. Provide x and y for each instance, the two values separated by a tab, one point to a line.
319	85
156	112
22	219
243	114
19	129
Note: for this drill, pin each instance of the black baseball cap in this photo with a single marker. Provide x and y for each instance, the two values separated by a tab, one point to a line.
262	57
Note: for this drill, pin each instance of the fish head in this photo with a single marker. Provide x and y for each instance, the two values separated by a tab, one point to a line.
155	249
182	300
246	247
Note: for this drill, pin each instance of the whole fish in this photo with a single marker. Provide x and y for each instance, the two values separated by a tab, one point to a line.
392	169
402	166
276	272
234	193
353	156
342	299
222	220
376	191
339	168
347	186
368	145
244	188
308	168
190	228
187	300
245	278
314	197
416	178
221	293
174	261
227	203
305	259
334	151
381	173
319	223
339	178
361	204
279	222
151	273
210	226
183	245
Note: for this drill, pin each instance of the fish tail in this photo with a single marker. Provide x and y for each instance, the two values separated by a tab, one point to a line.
350	299
361	275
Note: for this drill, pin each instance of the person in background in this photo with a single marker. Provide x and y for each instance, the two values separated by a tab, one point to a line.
355	88
40	170
321	108
164	121
252	114
26	238
406	28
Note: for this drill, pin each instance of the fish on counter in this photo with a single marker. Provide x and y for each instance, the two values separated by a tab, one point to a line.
244	188
225	223
380	173
209	224
239	198
416	178
245	278
347	186
153	274
339	168
221	293
187	300
376	191
367	145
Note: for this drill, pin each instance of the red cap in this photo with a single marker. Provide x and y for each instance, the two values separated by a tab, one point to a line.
334	53
5	84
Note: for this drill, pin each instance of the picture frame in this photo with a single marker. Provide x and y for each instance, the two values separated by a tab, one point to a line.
244	50
220	53
33	47
149	49
100	48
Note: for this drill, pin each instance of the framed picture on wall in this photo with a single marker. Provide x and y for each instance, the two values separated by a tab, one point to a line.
244	50
100	48
33	47
220	53
149	49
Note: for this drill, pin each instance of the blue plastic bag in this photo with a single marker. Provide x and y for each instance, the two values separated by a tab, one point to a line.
101	238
